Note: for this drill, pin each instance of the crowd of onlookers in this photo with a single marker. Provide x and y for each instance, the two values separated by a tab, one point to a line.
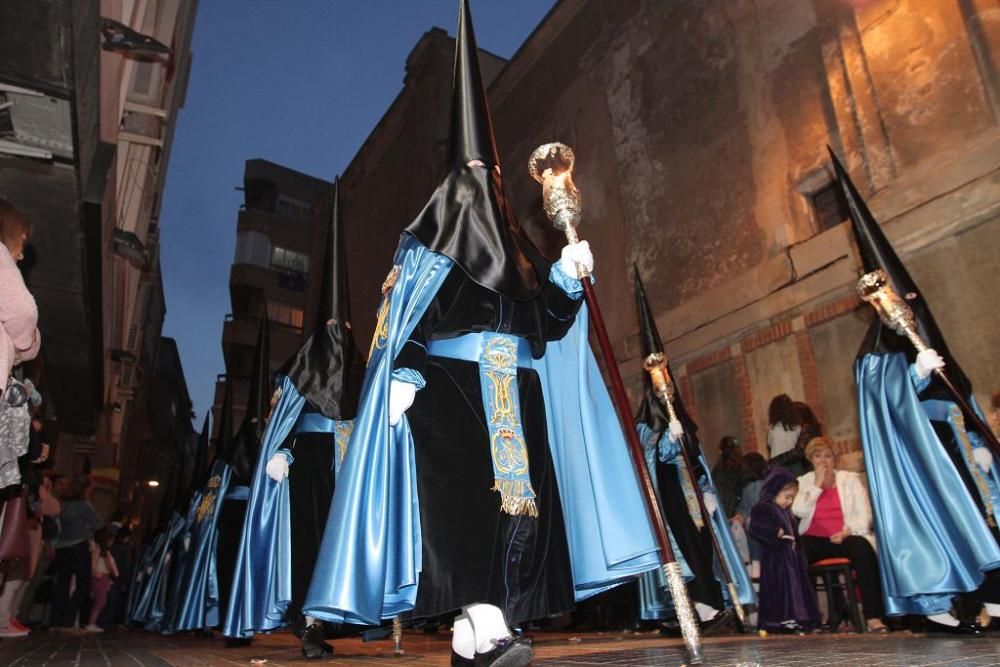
59	565
794	509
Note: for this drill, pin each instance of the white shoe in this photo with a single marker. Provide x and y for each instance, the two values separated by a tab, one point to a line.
93	628
12	632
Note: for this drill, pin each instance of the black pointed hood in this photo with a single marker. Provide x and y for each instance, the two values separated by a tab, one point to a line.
246	442
224	443
193	468
877	253
200	454
469	218
651	411
328	368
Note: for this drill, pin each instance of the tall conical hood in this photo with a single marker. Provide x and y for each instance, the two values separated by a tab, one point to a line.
200	454
468	218
328	368
471	136
224	443
246	443
877	253
651	411
647	323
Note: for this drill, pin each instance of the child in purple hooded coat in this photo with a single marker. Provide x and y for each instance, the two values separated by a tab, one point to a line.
787	601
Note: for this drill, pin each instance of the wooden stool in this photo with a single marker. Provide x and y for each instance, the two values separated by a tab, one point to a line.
826	576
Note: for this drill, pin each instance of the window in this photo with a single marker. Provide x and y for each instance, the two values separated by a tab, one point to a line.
253	248
829	206
290	207
284	313
289	260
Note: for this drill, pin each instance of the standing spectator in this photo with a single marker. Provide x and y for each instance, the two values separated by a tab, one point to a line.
726	474
104	571
836	522
19	341
794	460
783	425
787	599
77	524
41	541
121	551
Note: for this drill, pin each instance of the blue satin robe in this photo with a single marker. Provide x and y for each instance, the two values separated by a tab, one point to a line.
371	555
141	595
932	539
654	598
262	584
198	606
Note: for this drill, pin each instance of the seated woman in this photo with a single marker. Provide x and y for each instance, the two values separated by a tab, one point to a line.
836	522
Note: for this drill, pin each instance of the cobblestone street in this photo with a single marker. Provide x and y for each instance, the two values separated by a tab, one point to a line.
552	649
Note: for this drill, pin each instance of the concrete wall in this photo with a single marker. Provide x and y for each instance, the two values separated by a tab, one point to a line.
701	130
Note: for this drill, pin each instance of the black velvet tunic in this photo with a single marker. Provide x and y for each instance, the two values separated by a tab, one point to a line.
310	490
473	552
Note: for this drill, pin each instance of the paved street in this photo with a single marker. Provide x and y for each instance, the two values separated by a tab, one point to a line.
552	649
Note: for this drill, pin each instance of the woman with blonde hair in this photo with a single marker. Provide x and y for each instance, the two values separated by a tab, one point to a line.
835	521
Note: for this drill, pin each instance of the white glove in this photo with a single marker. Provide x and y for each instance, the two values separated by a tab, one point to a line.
926	362
983	457
675	430
401	395
277	467
187	542
711	503
575	255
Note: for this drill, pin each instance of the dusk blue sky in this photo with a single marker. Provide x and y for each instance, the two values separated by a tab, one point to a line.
298	83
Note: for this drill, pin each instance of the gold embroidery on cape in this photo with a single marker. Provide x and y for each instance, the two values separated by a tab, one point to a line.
958	419
207	505
381	333
342	437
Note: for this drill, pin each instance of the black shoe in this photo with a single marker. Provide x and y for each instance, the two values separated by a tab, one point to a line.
962	629
313	645
237	642
724	621
509	652
461	661
670	629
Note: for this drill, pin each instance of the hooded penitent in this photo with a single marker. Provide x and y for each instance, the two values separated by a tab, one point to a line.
424	513
676	492
242	459
195	603
931	503
318	395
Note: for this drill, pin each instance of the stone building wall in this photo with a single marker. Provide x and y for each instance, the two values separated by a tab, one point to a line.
701	133
701	130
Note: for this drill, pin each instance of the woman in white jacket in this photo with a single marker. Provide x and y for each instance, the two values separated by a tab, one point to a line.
836	522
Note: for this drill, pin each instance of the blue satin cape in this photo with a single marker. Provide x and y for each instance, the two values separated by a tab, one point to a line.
932	540
142	599
370	559
198	601
158	583
262	583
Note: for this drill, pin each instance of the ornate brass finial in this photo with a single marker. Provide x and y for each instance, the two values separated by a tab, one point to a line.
875	289
552	166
